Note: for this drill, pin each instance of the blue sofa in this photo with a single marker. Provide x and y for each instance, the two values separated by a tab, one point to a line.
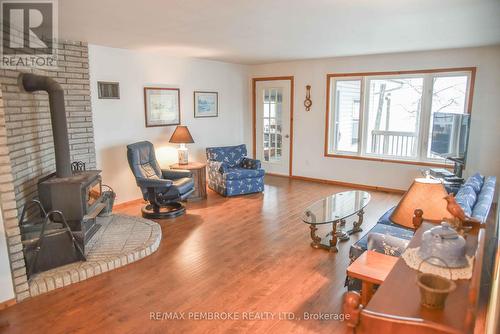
475	196
231	173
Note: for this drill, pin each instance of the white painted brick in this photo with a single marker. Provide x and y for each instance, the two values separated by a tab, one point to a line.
30	144
49	281
20	296
34	291
66	279
74	276
19	272
42	286
22	287
58	282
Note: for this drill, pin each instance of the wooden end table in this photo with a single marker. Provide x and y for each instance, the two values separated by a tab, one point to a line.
199	171
371	268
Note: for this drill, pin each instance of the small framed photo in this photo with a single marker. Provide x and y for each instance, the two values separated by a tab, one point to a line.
206	104
162	106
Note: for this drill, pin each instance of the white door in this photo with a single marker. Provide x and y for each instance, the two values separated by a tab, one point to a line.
272	137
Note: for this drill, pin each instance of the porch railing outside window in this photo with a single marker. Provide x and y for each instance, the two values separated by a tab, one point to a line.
389	115
394	143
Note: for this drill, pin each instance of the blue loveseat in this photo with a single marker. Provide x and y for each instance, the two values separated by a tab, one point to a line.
475	196
231	173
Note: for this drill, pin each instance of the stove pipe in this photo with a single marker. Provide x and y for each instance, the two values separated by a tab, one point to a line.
32	83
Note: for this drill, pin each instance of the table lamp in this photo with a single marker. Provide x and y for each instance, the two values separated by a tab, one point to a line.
182	136
425	194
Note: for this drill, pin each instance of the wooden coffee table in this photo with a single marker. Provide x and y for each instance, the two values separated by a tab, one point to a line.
371	268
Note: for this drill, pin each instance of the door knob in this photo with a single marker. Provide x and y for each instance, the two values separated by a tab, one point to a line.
287	136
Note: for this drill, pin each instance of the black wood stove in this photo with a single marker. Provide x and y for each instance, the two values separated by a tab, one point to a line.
77	194
78	197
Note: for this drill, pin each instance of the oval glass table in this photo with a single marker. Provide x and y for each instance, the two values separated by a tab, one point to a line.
335	209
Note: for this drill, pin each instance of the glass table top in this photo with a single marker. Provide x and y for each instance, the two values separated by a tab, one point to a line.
336	207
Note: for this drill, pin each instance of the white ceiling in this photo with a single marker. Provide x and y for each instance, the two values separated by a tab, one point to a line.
263	31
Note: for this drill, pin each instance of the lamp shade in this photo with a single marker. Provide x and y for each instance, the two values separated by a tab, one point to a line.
181	135
425	194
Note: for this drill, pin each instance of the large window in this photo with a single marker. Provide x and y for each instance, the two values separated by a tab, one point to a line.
389	116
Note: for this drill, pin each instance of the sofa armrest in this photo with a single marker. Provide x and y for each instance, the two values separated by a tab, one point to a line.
217	166
174	174
386	244
249	163
153	183
485	199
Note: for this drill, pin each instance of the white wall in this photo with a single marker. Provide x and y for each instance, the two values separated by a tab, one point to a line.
6	287
121	122
309	127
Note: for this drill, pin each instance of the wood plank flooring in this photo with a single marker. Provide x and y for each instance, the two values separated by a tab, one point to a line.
226	255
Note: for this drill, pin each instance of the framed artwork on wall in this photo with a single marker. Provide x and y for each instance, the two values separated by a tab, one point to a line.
162	106
206	104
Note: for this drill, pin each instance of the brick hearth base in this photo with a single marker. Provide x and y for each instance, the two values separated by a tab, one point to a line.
121	240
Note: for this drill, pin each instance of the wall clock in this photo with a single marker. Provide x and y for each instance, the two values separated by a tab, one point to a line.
307	102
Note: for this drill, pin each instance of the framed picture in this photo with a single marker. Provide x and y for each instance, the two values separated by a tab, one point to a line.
162	106
206	104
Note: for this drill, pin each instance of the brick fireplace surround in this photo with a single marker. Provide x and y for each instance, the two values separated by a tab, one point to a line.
26	144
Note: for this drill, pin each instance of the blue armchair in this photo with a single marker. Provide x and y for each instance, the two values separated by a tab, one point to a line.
231	173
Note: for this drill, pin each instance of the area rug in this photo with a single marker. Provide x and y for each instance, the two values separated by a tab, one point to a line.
120	240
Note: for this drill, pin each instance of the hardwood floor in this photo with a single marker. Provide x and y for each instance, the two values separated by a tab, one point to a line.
234	255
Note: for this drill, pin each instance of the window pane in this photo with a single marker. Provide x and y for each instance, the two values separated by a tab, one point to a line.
448	96
266	110
347	96
393	116
279	114
272	123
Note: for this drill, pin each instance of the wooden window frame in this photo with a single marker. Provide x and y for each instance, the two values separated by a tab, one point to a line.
362	75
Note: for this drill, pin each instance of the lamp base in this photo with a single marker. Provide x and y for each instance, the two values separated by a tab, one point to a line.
183	155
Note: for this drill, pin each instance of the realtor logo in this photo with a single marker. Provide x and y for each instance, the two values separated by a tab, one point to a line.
29	31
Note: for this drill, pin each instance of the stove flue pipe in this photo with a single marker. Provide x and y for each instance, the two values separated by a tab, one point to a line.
33	83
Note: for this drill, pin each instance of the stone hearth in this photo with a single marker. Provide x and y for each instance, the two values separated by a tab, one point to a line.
121	240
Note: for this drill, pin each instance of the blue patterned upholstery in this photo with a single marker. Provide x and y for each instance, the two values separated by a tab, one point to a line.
387	244
475	201
231	155
466	197
362	244
230	173
384	226
476	182
484	199
242	173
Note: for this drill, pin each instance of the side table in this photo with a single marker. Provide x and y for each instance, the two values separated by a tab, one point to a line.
371	268
199	171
